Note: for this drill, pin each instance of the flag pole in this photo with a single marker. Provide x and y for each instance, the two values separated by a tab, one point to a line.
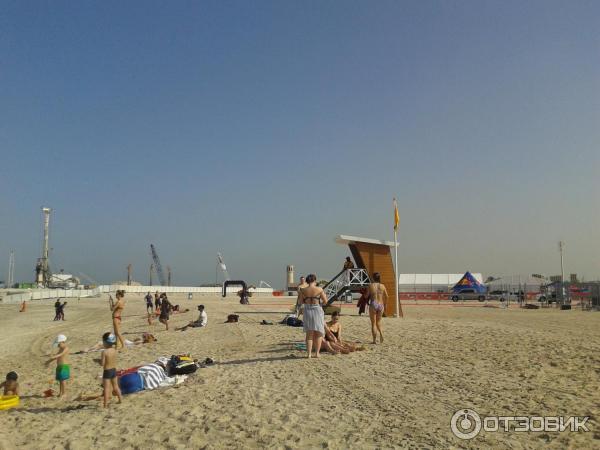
396	223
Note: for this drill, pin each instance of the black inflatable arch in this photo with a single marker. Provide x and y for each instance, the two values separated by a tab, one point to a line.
234	283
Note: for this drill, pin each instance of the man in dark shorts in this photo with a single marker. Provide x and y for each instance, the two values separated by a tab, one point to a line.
57	309
149	306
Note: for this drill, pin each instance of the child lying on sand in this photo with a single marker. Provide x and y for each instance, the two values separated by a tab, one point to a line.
146	338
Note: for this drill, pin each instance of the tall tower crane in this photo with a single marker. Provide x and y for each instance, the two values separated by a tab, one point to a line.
157	266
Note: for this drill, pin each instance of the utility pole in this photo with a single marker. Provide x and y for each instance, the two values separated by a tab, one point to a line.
561	246
168	275
129	275
44	268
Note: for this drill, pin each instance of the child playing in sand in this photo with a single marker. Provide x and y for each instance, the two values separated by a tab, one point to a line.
109	364
63	370
11	386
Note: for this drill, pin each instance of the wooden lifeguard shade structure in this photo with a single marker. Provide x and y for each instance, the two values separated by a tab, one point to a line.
375	256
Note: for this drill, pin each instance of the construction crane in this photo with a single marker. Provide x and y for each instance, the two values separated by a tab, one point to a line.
157	266
151	269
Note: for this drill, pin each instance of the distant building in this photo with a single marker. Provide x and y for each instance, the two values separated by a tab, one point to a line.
573	278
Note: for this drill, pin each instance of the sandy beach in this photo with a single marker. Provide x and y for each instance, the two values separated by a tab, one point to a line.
262	392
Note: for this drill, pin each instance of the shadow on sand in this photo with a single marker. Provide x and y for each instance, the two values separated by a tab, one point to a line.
46	409
237	362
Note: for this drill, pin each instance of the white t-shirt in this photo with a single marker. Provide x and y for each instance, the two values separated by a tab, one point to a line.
203	318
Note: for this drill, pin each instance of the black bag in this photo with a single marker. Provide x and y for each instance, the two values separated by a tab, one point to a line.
177	366
293	322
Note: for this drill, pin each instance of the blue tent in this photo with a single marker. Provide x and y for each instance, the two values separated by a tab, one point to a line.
468	281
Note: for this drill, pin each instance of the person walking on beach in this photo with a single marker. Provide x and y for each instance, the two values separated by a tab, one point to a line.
149	306
57	309
312	297
363	301
157	298
109	366
165	309
61	311
117	311
377	294
63	370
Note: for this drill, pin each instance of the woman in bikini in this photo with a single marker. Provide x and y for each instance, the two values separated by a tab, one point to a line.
377	294
117	311
312	297
333	334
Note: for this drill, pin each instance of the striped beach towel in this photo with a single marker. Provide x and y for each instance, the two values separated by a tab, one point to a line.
153	375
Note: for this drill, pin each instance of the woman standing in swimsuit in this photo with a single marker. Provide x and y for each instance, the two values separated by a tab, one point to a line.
312	297
117	310
377	294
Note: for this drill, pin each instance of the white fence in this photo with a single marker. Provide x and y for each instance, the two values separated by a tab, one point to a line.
40	294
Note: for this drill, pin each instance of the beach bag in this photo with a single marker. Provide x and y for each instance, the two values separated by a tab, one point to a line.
293	322
233	318
130	383
179	366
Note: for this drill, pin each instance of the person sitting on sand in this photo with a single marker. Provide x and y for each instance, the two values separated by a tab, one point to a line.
333	333
117	312
165	309
312	297
201	322
109	366
377	294
11	385
63	370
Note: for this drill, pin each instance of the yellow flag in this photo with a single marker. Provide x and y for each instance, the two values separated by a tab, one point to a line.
396	216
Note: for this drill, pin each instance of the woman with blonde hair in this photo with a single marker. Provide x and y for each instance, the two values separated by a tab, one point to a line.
312	297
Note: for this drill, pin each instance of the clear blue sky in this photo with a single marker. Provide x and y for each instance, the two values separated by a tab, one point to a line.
264	129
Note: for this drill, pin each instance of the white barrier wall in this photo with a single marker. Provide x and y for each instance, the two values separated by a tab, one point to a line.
40	294
216	290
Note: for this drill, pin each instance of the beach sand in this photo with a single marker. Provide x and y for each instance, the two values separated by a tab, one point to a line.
261	392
